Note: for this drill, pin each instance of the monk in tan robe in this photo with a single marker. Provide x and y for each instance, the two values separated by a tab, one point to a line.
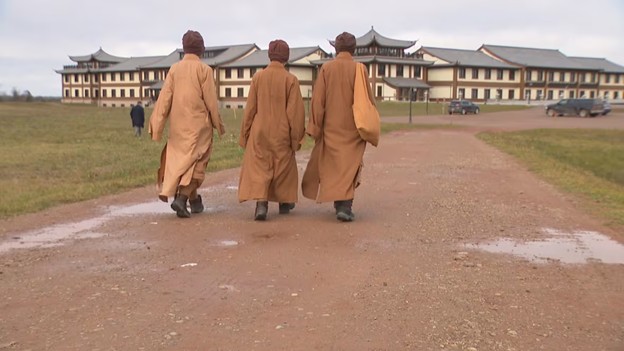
188	99
271	132
333	171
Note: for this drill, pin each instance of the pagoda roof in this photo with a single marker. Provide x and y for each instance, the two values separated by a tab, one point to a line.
260	58
99	55
372	37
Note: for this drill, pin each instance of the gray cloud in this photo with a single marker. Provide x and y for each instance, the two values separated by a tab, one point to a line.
37	36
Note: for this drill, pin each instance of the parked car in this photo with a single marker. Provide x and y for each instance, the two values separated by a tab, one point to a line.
463	107
607	107
575	107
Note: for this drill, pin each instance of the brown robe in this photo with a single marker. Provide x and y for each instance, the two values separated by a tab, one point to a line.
189	100
332	173
272	130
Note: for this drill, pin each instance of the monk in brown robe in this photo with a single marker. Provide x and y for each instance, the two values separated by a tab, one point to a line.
271	132
188	99
333	171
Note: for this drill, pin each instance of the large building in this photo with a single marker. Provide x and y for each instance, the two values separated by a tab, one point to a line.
489	73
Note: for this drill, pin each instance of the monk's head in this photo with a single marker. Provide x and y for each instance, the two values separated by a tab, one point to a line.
279	51
345	42
193	43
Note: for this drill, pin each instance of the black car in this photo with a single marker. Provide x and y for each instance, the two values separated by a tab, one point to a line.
576	107
463	107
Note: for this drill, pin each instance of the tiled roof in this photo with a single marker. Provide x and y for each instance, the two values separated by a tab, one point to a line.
373	37
260	58
381	59
465	57
224	55
132	64
399	82
532	57
99	55
600	64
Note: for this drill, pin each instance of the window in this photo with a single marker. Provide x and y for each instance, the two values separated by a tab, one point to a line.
486	94
562	76
527	94
66	78
131	76
607	78
582	93
540	75
228	73
66	92
512	94
617	78
103	92
252	72
593	78
86	92
616	95
240	107
529	75
103	77
571	94
228	92
97	93
488	74
399	70
582	77
96	77
573	77
381	70
550	95
499	94
86	78
474	93
145	75
462	73
551	76
146	92
75	78
512	75
76	93
240	92
122	92
113	76
240	73
131	92
475	73
417	72
461	93
113	93
592	94
499	74
380	91
122	76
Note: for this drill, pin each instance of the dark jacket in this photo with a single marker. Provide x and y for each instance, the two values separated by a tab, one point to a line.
138	116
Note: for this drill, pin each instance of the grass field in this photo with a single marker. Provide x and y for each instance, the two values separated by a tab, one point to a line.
588	163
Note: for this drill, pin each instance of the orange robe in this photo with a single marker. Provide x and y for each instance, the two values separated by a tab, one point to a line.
188	99
272	130
333	171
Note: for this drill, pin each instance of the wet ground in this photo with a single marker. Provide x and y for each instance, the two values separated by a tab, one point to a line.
455	247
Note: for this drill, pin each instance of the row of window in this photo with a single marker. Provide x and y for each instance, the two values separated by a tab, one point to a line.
487	73
528	94
155	75
113	93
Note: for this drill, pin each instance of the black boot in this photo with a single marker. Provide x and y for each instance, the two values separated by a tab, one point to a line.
343	210
196	205
262	207
179	206
285	207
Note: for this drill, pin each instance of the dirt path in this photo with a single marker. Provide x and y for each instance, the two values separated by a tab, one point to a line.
123	273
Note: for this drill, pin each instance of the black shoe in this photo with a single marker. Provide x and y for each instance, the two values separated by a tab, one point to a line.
196	205
343	210
285	207
262	207
179	206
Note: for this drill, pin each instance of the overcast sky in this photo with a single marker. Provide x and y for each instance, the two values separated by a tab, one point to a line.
36	36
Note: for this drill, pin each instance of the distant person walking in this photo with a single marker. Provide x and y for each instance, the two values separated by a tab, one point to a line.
137	114
272	130
333	171
189	100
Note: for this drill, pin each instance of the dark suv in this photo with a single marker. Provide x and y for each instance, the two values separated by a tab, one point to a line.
576	107
463	107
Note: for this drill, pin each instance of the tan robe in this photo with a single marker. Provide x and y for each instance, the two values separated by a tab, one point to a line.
272	130
332	173
189	100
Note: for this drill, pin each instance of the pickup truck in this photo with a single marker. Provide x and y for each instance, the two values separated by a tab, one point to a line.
576	107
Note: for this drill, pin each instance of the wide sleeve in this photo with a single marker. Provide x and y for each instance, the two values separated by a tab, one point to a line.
296	115
209	92
371	97
315	124
161	109
251	109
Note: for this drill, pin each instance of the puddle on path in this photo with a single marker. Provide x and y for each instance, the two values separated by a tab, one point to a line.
55	235
565	247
